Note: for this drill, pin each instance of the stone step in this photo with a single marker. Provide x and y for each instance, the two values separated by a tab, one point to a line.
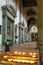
24	47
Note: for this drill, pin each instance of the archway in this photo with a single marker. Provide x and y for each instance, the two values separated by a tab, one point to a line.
31	22
34	33
31	11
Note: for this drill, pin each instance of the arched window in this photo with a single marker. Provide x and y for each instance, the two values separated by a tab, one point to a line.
34	33
34	29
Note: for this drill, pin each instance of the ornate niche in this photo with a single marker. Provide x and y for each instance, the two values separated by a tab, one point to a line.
8	17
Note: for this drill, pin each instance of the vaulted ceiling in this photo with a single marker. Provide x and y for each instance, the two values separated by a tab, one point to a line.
27	3
30	12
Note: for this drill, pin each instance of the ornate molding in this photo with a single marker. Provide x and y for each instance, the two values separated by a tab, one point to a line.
10	9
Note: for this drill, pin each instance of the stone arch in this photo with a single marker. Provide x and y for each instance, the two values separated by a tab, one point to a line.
34	33
31	11
31	21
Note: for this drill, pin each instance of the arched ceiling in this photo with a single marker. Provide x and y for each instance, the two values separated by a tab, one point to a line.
27	3
31	21
30	12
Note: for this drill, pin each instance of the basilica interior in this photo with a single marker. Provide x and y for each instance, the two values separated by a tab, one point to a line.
22	26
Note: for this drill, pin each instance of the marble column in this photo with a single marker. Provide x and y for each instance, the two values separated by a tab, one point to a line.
18	17
1	28
4	3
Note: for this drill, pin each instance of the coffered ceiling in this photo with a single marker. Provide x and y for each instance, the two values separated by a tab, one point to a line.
27	3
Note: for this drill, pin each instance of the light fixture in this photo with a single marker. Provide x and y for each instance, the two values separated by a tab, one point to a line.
19	53
15	52
5	56
23	53
31	62
9	60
